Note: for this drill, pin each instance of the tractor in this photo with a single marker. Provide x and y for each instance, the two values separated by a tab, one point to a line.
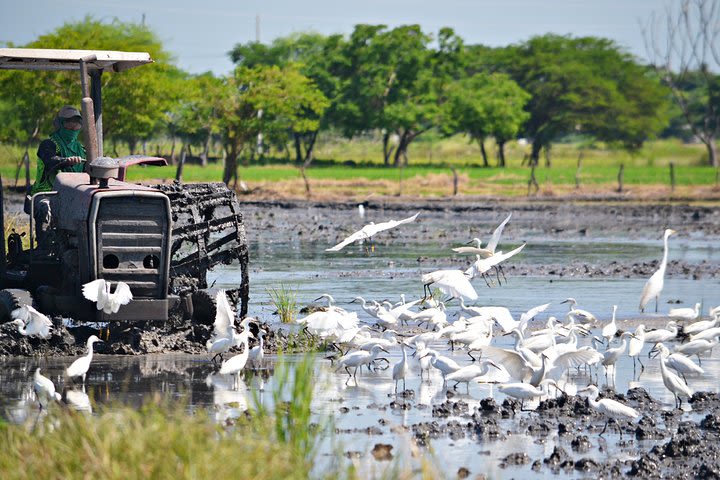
160	239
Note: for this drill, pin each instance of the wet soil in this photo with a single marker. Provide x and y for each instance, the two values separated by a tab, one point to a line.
439	220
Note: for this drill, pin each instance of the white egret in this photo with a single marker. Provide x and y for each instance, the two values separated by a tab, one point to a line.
435	316
654	285
518	366
80	367
696	347
611	409
98	291
636	344
673	382
660	335
446	365
469	373
44	389
609	330
31	323
685	313
369	230
525	391
423	358
679	362
581	316
612	354
702	325
224	334
401	369
481	266
236	364
359	358
256	355
708	334
451	282
474	250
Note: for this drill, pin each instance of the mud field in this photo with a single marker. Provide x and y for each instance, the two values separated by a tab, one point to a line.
440	221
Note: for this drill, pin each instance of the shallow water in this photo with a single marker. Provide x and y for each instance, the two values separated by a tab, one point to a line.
386	273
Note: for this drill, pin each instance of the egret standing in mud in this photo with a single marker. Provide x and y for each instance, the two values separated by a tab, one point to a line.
401	369
611	409
654	285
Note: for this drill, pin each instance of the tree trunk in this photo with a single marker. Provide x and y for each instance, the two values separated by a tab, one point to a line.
181	163
206	151
712	153
481	141
501	153
387	150
132	145
310	149
231	151
535	153
400	151
298	149
547	155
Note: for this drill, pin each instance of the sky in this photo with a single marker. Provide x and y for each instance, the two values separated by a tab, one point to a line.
199	34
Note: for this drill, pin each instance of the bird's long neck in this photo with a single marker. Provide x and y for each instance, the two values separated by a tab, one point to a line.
90	350
663	264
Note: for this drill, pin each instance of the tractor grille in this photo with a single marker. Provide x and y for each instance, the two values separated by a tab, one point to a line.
132	243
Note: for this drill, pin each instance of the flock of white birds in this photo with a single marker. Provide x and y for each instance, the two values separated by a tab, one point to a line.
539	359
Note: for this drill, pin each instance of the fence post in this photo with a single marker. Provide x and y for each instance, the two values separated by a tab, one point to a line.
455	181
620	178
577	172
672	177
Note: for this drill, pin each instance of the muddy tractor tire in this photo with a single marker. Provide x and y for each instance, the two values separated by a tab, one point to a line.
203	307
10	299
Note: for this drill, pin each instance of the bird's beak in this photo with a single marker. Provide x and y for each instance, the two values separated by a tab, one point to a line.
494	364
469	243
317	299
384	350
426	355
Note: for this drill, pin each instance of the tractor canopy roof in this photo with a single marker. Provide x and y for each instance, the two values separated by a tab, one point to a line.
53	59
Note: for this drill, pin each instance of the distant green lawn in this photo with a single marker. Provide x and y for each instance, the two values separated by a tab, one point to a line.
341	160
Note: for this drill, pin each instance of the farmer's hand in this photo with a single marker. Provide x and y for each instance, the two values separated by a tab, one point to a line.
75	160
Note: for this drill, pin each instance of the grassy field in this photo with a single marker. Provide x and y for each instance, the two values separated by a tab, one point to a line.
354	169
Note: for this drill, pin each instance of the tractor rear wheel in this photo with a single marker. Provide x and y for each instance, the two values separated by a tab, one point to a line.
10	299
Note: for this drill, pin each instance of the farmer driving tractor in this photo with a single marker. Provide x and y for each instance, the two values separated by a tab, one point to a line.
62	152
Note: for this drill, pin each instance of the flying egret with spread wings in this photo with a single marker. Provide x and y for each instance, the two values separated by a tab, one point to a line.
98	291
369	230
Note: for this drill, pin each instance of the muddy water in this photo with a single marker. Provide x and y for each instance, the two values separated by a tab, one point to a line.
366	411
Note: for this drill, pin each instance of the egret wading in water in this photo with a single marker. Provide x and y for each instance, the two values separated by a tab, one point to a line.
654	285
358	359
224	334
235	365
369	230
401	369
611	409
256	353
525	391
31	323
80	367
44	389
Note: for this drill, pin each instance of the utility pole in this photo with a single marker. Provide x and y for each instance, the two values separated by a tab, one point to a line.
257	28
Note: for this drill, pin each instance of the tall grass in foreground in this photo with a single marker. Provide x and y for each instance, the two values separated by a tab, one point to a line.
165	440
284	298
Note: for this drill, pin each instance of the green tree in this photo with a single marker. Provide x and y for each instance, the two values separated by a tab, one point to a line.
584	85
283	95
134	101
312	54
389	83
683	47
485	105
